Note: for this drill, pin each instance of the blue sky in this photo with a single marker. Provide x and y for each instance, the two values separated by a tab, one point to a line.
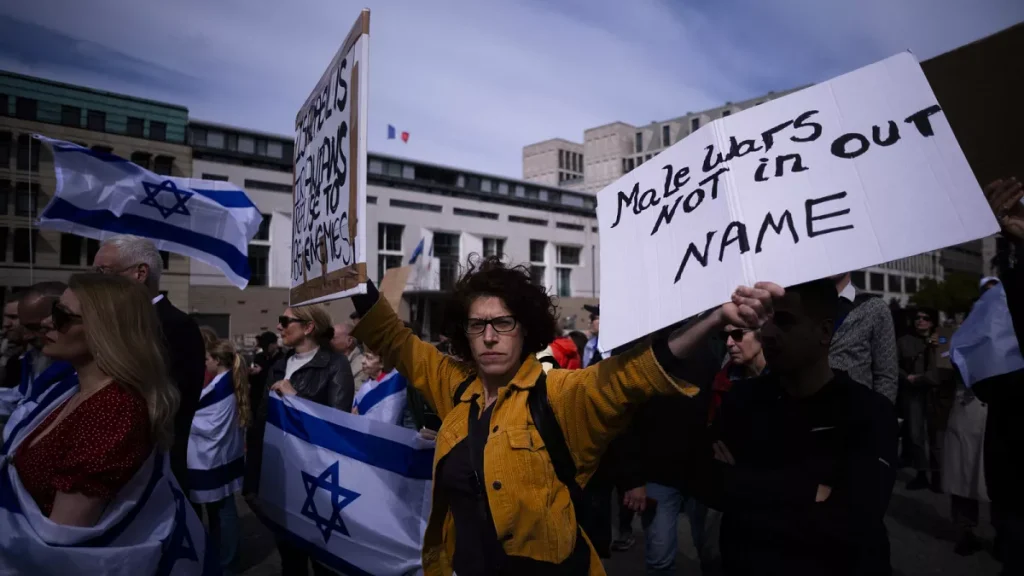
475	80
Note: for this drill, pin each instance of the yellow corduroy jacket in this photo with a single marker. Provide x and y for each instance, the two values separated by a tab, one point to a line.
531	509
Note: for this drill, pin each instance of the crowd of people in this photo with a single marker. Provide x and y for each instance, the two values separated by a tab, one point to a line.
781	424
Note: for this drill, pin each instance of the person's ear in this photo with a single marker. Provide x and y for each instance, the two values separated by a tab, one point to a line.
141	273
308	328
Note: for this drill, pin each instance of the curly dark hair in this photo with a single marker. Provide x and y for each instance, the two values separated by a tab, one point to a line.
532	307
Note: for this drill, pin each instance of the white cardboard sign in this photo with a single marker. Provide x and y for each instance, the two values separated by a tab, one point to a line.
853	172
329	198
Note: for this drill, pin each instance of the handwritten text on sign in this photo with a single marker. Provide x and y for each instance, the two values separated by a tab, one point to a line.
850	173
328	246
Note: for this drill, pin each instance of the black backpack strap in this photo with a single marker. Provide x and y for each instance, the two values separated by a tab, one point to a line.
547	425
549	360
461	389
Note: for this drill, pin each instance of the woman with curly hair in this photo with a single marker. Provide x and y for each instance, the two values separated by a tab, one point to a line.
498	506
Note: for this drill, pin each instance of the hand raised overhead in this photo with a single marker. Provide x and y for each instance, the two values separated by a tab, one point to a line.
751	307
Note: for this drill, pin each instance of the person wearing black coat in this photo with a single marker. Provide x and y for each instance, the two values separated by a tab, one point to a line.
137	258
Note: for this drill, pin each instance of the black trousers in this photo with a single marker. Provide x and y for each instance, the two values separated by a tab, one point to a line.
295	561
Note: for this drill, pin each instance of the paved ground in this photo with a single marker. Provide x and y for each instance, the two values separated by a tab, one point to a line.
919	529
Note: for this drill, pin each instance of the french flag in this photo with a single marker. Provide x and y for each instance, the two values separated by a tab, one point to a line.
392	132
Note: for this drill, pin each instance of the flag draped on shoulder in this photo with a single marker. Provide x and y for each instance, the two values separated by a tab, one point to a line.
383	400
216	445
99	195
985	345
34	390
352	492
147	529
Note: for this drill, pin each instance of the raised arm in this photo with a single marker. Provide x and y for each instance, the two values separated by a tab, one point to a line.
433	374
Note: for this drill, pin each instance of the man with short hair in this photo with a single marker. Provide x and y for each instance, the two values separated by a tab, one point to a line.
13	345
801	460
592	351
864	342
138	259
344	343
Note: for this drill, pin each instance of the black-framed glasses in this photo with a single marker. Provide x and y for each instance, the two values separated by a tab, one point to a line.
501	325
736	334
284	321
63	318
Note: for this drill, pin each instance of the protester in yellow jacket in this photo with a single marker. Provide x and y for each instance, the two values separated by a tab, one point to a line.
498	506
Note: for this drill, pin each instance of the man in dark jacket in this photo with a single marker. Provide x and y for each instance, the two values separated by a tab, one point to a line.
138	259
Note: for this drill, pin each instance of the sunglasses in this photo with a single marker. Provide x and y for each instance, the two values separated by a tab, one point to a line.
284	321
736	334
63	318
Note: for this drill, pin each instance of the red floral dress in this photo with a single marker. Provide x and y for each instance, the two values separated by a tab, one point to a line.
94	451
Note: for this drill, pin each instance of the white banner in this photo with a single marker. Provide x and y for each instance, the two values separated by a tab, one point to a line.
329	199
857	171
351	491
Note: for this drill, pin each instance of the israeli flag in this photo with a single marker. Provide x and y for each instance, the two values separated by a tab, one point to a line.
216	446
353	492
35	390
985	345
383	400
148	529
100	195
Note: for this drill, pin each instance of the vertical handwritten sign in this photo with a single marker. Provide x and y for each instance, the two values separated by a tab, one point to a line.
329	198
854	172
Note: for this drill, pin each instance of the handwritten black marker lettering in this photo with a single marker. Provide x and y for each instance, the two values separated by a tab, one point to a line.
840	148
802	122
811	218
689	206
629	200
340	86
714	182
665	216
892	138
921	121
701	257
741	237
648	199
769	220
768	136
759	173
708	165
742	148
780	164
674	181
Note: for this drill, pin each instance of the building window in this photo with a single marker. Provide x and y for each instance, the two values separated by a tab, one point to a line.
396	203
494	247
271	186
475	213
216	177
157	130
165	258
537	274
135	127
5	150
70	250
96	120
3	244
473	183
389	237
895	284
639	160
275	149
28	153
371	199
503	188
525	220
568	226
261	147
214	139
259	265
446	250
92	246
246	145
561	159
537	249
5	195
264	232
376	167
26	199
231	142
877	282
163	165
564	282
3	105
857	278
485	185
911	285
141	158
726	113
694	124
198	136
26	243
639	142
568	255
666	135
71	116
25	108
629	164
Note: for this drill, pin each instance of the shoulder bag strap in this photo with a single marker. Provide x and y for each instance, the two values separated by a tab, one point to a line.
549	430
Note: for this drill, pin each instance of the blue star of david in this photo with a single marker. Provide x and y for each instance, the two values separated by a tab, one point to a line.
340	498
179	545
180	198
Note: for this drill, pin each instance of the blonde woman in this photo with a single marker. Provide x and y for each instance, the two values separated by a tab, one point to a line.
81	455
216	447
311	370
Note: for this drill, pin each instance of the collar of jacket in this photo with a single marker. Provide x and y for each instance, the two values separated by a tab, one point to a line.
320	360
524	379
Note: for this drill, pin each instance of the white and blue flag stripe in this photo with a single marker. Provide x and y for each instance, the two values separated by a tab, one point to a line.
352	492
33	388
99	195
383	400
147	529
986	345
216	445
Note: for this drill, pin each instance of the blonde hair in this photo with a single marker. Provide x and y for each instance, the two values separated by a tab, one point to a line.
209	336
123	334
223	352
323	327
